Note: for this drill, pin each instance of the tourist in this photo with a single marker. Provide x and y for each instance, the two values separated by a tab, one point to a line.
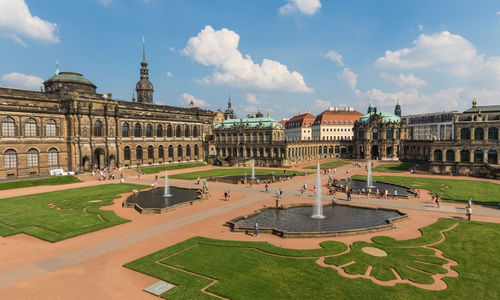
225	195
281	192
469	203
333	200
468	211
348	196
256	229
302	191
395	194
228	195
438	201
267	188
386	193
359	192
198	180
305	186
334	171
156	177
139	175
134	191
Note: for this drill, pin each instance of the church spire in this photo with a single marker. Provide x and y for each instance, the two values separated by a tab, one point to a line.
144	87
57	68
143	50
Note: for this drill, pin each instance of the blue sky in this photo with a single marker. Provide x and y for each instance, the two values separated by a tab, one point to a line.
284	56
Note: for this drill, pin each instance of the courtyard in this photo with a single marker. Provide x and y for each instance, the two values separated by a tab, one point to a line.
98	249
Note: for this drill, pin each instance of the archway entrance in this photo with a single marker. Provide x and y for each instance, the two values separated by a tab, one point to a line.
99	160
374	152
86	163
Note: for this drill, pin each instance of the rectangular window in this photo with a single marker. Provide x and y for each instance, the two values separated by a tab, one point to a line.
52	159
32	160
10	161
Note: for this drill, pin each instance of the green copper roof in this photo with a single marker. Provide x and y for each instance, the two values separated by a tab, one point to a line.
71	77
387	117
249	122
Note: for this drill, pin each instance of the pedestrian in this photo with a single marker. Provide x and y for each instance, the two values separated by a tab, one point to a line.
395	194
225	195
438	201
198	180
302	191
267	188
256	229
468	211
228	195
333	200
281	192
348	196
156	177
469	203
139	175
334	171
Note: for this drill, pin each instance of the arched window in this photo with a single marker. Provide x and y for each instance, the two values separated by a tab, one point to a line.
197	151
137	130
50	128
492	157
151	152
179	151
450	155
53	158
195	131
478	156
159	130
178	131
465	156
138	152
97	128
493	133
261	138
188	150
170	151
438	155
478	134
149	130
30	127
170	132
398	133
32	158
388	134
187	133
10	159
161	152
126	153
8	127
125	129
465	134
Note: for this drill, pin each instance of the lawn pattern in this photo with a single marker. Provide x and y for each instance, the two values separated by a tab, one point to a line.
393	168
424	267
330	165
55	216
232	171
58	180
157	169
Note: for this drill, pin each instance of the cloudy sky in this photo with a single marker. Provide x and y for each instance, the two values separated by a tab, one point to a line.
284	56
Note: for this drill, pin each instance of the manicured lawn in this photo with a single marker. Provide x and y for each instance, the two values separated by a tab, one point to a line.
58	180
330	165
56	216
481	192
153	170
257	270
393	168
228	172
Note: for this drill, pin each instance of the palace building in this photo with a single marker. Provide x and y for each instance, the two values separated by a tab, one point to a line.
70	126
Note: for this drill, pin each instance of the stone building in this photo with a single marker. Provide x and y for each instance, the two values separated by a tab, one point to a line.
474	151
70	126
378	135
298	128
430	126
335	124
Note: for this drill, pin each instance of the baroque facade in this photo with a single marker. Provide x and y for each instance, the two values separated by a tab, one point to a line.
70	126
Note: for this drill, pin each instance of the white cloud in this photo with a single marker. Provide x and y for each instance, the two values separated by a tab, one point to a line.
498	13
169	74
106	2
321	105
16	21
220	50
307	7
335	57
22	81
186	99
349	77
402	81
420	27
443	52
252	99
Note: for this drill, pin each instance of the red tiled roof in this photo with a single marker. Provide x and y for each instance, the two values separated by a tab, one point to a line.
337	115
300	121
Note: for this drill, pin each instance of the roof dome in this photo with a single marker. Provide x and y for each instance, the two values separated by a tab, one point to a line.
387	117
70	77
69	81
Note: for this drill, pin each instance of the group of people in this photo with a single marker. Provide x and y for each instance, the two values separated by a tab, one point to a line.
103	174
227	195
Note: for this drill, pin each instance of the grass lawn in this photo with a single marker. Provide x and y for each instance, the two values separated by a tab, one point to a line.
253	270
56	216
228	172
58	180
330	165
456	190
393	168
153	170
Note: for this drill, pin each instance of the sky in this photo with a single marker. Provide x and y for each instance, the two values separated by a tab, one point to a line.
282	56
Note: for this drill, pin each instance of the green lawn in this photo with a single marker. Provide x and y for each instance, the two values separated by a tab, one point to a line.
330	165
252	270
228	172
393	168
455	190
56	216
153	170
58	180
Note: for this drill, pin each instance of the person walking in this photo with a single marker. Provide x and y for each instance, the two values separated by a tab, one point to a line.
468	211
348	196
267	188
256	229
228	195
198	180
225	195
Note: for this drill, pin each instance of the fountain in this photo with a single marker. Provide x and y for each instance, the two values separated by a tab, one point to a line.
253	170
318	206
369	182
166	192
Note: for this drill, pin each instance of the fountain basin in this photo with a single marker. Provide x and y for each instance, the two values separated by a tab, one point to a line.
152	201
235	179
294	221
356	184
